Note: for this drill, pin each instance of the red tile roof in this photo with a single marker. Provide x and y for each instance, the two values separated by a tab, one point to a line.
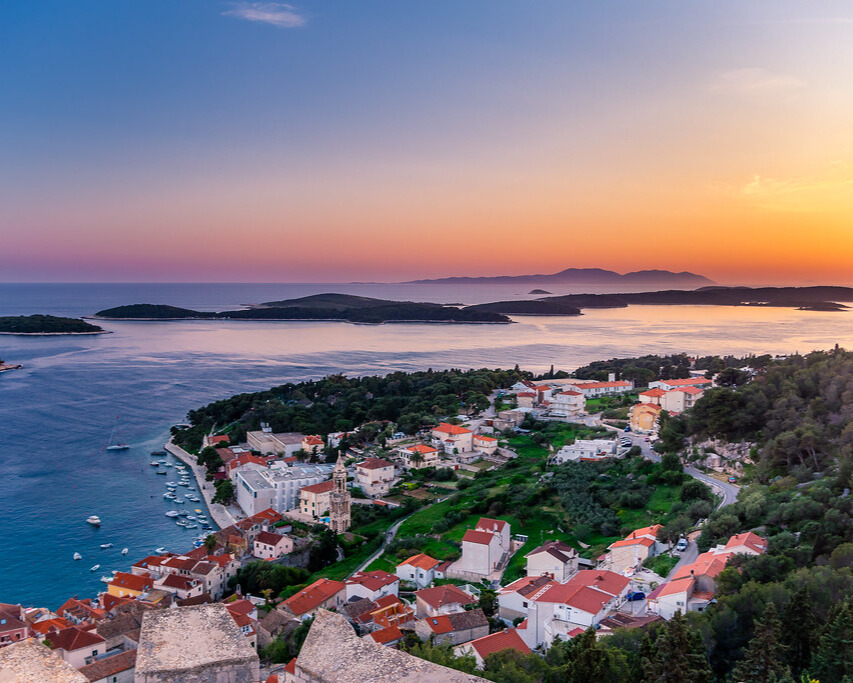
268	538
420	561
374	464
372	581
483	437
570	393
387	635
604	385
113	665
480	537
222	438
490	524
657	392
132	581
588	590
444	595
625	542
313	596
47	625
457	621
750	540
421	448
269	516
685	382
689	390
676	586
322	487
496	642
707	564
241	606
70	639
526	394
445	428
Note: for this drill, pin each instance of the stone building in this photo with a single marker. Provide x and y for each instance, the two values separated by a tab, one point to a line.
340	499
199	644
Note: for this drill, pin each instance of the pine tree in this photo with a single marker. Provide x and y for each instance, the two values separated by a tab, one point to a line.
800	632
833	660
765	654
678	655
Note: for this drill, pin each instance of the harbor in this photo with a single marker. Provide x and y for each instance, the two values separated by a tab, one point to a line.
219	514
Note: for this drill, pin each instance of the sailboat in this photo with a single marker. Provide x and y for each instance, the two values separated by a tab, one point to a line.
116	446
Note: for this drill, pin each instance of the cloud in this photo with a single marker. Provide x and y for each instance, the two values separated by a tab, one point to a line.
275	13
756	83
826	191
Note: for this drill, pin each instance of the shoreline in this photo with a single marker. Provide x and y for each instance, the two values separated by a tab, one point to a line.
302	320
5	367
55	334
218	512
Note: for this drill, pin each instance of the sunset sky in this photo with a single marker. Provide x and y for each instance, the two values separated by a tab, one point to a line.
198	140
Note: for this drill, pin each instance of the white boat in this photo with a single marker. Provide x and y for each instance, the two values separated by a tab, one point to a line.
78	556
118	447
95	568
94	520
179	501
124	551
160	550
154	464
104	546
107	579
172	513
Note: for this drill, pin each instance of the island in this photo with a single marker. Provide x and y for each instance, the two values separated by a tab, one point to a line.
46	325
583	276
330	306
539	291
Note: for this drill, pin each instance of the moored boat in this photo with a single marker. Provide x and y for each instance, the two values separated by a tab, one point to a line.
160	550
104	546
124	551
78	556
95	568
94	520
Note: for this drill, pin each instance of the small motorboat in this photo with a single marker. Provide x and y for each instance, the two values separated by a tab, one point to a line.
183	513
124	551
107	579
154	463
172	513
160	550
191	517
118	447
104	546
159	453
78	556
181	522
94	520
95	568
163	472
179	501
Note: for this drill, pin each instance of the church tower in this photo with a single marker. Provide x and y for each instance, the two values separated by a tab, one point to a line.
340	499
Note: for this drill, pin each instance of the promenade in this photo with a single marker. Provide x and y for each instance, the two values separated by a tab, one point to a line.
218	513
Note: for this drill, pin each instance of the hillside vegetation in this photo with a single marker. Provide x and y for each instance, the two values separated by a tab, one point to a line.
45	324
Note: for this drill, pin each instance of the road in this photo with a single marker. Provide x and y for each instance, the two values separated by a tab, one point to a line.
389	536
725	490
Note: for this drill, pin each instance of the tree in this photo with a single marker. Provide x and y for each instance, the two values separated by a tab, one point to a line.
678	655
210	543
833	660
324	551
417	458
800	632
583	659
512	666
225	492
764	657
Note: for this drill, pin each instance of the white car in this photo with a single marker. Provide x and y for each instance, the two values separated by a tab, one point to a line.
681	546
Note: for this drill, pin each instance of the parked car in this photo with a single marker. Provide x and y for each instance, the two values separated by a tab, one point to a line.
627	429
681	546
732	480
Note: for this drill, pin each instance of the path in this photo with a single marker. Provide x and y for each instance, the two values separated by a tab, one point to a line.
389	536
219	513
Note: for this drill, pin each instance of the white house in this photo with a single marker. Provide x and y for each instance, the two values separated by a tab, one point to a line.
375	476
568	403
484	546
586	449
514	599
485	444
634	549
453	438
372	585
418	570
433	602
555	559
268	545
77	646
680	399
429	456
596	389
670	384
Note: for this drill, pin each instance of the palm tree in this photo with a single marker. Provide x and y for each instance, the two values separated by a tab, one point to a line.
210	543
417	458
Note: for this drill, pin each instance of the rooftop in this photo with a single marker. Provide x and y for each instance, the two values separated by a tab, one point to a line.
503	640
445	595
420	561
109	666
185	638
480	537
374	464
445	428
28	661
313	596
322	487
458	621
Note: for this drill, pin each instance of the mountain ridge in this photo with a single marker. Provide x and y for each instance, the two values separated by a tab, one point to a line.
598	276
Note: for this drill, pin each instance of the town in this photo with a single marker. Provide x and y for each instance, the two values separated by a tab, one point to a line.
369	534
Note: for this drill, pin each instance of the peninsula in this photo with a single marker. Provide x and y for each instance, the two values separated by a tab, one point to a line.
340	307
582	276
46	324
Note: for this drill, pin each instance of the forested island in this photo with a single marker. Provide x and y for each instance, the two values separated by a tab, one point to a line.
46	324
341	307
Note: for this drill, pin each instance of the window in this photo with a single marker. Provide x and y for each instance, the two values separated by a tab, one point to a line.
524	604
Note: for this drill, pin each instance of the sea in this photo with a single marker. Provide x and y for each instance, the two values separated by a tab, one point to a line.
75	394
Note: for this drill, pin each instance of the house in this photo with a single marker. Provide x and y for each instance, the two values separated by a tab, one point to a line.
419	456
127	584
643	417
680	399
418	569
670	384
361	659
388	636
433	602
214	441
634	549
371	615
375	476
264	441
596	389
192	644
526	399
276	487
372	585
13	625
270	546
119	667
555	558
183	587
245	615
323	593
508	639
568	403
244	460
586	449
485	444
77	646
652	396
747	543
484	547
453	439
583	601
513	599
315	500
30	661
455	628
313	444
79	611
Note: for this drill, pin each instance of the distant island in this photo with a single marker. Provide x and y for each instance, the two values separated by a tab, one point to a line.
582	276
46	324
802	298
539	291
342	307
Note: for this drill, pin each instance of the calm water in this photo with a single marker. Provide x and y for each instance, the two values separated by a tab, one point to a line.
57	413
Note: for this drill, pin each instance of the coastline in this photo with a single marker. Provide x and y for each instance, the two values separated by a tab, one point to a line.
218	512
304	320
5	367
54	334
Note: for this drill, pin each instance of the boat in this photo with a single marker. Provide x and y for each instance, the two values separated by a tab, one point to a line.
78	556
190	525
95	568
181	522
171	483
172	513
104	546
159	453
191	517
124	551
183	513
163	472
117	446
94	520
160	550
154	463
167	464
179	501
107	579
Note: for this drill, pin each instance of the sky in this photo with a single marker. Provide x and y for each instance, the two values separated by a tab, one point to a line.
333	140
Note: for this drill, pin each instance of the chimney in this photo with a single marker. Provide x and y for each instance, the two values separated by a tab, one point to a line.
611	377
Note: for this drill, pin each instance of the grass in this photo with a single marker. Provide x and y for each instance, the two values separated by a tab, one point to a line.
661	565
